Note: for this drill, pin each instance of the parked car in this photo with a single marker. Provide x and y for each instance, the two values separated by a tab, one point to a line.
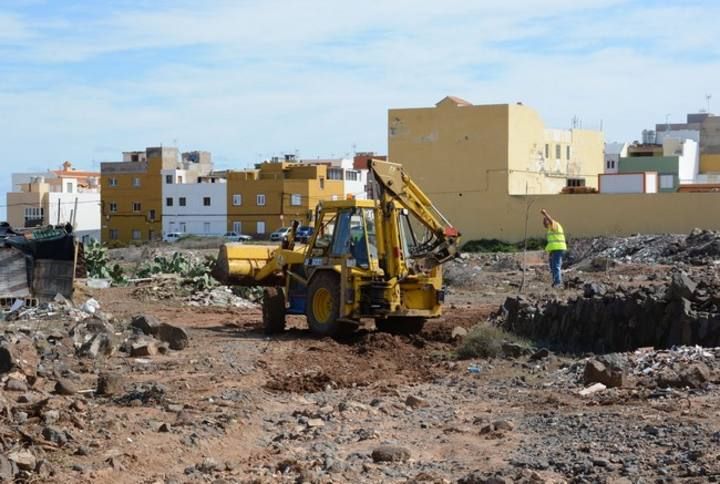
304	233
236	237
280	234
173	236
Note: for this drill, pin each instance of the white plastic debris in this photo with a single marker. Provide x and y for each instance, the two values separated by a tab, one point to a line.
91	306
597	387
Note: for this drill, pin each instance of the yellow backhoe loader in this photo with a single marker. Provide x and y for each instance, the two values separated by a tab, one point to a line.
379	259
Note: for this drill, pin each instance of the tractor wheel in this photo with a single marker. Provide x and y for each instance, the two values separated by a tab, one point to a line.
400	324
323	304
273	310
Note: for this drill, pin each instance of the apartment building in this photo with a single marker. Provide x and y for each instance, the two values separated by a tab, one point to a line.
194	204
274	194
59	196
354	179
471	160
132	191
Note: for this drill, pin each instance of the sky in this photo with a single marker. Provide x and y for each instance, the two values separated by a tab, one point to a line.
82	80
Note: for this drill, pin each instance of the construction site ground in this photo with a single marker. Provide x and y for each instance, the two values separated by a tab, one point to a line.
238	406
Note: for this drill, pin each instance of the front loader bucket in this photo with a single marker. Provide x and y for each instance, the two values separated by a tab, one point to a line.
239	264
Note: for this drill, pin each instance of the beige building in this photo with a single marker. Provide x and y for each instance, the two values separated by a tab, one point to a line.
261	201
493	142
478	162
59	196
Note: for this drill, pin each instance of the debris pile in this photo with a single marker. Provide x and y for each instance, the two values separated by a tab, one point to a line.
697	248
659	371
604	319
47	356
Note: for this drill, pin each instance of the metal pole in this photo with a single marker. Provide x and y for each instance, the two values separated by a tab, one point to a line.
74	217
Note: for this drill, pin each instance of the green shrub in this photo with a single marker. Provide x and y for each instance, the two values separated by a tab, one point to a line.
496	245
485	341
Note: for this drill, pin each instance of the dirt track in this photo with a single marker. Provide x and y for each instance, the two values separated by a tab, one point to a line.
238	406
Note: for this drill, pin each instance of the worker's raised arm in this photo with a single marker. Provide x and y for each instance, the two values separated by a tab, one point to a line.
546	215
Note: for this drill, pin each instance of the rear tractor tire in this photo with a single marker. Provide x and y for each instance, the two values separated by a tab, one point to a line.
273	310
323	305
400	324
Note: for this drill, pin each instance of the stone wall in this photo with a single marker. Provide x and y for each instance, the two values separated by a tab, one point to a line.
679	313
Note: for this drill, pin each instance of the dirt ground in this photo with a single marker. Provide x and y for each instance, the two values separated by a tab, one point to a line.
237	406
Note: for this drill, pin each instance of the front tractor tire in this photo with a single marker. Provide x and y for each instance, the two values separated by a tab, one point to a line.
273	310
323	304
400	324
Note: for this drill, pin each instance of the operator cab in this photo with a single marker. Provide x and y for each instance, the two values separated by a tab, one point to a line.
347	232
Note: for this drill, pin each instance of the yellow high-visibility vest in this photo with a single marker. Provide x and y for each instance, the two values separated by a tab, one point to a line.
555	238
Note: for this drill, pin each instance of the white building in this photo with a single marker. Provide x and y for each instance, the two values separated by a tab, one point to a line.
57	197
688	154
613	153
194	205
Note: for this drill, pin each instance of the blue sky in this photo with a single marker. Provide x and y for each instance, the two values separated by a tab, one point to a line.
82	80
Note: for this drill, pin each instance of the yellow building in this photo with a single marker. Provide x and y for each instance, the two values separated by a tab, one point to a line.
478	162
132	195
274	194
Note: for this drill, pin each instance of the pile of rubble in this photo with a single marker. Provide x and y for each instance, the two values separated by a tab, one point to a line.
222	296
697	248
602	319
662	371
49	355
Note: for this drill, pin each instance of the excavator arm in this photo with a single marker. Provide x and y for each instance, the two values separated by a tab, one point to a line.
397	187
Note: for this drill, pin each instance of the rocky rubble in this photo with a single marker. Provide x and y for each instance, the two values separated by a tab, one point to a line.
605	319
697	248
49	355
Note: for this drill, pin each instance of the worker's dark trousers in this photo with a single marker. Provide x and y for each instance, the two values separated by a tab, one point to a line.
556	257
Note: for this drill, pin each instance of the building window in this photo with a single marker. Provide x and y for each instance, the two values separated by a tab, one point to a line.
237	227
68	187
112	182
183	227
206	227
612	163
352	175
322	183
260	229
181	201
576	182
151	214
206	201
547	150
113	207
557	152
169	202
168	179
260	200
295	200
567	152
180	179
667	182
335	174
114	234
137	206
34	213
237	199
136	234
136	182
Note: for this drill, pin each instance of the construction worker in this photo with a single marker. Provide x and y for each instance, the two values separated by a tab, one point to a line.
556	246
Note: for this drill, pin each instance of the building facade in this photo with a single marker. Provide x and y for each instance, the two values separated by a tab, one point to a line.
274	194
194	205
466	172
56	197
132	191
